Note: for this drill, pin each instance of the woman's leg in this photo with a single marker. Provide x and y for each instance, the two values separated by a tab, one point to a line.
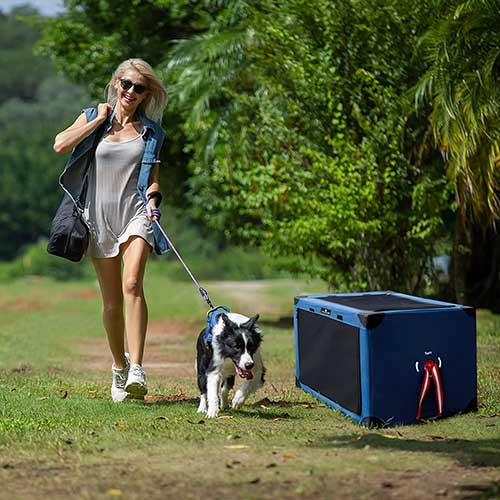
109	277
135	254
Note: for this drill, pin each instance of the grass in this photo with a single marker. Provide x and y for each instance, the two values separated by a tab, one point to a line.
61	436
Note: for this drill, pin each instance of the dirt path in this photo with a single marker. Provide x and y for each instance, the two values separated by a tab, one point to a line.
249	296
170	344
169	349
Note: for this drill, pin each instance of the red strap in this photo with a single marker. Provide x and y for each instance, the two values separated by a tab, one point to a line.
431	371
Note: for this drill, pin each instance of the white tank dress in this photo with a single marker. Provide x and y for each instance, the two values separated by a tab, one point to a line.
113	207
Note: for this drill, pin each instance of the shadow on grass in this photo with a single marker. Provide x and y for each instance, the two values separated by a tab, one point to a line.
286	404
481	491
161	400
261	409
264	414
478	453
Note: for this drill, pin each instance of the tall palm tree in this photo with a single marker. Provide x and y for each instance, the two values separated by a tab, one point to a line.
206	66
463	86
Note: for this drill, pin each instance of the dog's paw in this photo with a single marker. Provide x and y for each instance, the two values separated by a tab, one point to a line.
202	408
212	412
238	400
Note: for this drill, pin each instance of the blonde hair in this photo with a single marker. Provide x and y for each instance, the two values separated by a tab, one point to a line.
155	102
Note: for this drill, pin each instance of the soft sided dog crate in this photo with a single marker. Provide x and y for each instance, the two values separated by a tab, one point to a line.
385	358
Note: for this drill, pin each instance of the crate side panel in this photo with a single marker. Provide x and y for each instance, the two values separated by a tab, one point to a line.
329	360
399	347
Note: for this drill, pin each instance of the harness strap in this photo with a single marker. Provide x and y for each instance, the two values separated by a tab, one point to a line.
212	319
431	372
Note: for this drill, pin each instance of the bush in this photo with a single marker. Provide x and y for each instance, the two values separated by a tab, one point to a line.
35	260
206	258
233	263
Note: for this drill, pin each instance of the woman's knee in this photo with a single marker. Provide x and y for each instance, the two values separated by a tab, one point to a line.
132	287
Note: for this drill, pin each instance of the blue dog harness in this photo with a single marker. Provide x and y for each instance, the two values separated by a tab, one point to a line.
212	319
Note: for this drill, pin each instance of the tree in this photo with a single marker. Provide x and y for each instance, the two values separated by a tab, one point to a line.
295	119
29	190
462	84
23	71
34	105
303	138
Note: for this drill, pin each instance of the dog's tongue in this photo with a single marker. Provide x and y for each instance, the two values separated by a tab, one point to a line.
244	373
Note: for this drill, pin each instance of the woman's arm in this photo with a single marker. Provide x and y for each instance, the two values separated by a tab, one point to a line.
153	186
67	139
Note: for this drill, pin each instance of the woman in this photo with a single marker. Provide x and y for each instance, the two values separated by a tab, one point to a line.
121	205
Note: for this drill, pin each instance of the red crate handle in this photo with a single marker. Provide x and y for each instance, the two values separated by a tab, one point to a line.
431	372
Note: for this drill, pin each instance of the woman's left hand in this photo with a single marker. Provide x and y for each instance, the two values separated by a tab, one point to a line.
153	212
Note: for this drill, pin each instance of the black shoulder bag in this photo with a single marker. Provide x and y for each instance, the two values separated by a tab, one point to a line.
69	233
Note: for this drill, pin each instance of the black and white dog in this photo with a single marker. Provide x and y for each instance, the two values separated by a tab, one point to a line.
234	348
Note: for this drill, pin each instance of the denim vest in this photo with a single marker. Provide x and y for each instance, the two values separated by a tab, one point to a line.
72	177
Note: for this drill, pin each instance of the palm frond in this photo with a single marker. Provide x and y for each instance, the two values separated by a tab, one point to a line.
462	83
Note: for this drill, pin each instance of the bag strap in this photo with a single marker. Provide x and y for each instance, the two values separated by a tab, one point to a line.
99	132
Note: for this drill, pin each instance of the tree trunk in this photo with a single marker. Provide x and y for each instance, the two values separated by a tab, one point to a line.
475	273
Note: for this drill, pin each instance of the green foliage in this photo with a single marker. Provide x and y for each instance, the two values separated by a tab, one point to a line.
91	37
296	119
34	105
209	258
29	189
305	145
462	83
206	257
34	260
22	70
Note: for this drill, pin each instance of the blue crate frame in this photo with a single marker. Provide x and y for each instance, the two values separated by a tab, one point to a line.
365	321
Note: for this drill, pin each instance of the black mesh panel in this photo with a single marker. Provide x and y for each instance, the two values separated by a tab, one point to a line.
382	302
329	359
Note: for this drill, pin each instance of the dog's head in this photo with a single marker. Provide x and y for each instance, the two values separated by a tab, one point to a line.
240	341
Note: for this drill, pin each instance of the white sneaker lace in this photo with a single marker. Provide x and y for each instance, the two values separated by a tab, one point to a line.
120	376
137	371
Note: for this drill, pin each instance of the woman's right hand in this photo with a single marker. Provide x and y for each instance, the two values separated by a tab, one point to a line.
103	110
67	139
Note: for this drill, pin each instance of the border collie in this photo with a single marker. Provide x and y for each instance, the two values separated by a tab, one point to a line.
234	348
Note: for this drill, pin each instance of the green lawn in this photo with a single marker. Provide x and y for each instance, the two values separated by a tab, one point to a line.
61	436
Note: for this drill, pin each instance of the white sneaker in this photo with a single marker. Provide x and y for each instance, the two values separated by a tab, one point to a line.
136	382
118	393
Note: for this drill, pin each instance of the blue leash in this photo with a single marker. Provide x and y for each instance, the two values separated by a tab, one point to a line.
214	312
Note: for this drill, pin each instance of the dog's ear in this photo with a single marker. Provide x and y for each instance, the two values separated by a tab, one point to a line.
227	322
250	324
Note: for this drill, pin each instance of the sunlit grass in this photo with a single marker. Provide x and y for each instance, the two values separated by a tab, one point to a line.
54	409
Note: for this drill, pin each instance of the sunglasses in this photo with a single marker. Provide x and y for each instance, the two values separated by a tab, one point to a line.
139	88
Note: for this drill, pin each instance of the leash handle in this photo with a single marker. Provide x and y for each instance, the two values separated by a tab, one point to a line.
203	292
